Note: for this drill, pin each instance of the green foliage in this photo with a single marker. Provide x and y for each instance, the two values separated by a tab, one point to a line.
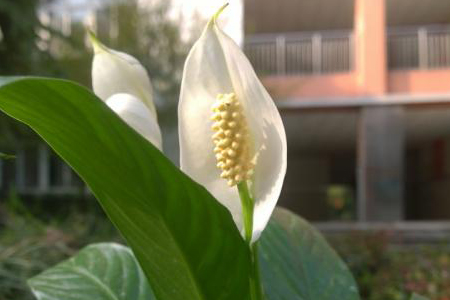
418	297
19	53
150	36
297	263
422	270
99	271
6	156
173	225
30	245
394	273
341	203
364	254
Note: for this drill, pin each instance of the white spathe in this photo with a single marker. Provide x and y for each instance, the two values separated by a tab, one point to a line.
216	65
123	83
134	112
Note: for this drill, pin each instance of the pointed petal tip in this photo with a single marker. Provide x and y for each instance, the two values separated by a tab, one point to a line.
220	10
96	44
213	20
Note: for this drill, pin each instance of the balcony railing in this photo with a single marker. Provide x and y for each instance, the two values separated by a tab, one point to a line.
419	47
422	47
300	53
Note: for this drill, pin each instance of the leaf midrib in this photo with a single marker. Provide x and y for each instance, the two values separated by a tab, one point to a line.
181	255
96	281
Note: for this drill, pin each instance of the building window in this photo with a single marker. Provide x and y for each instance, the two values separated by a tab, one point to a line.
40	171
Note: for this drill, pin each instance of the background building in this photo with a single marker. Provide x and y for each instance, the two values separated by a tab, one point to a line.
364	91
363	87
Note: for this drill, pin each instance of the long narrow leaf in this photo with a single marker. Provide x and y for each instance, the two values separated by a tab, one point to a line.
185	241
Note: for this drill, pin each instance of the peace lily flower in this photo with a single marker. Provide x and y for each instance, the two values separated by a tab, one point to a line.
232	139
123	83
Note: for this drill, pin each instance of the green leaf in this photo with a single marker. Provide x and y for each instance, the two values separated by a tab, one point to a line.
100	272
418	297
298	264
186	242
6	156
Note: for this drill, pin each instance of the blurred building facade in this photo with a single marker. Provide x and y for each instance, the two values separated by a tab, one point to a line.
363	87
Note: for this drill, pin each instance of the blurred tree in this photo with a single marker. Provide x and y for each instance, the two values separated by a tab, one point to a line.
152	37
28	47
19	53
155	39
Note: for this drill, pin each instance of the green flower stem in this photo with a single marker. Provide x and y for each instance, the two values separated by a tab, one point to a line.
248	204
247	210
255	273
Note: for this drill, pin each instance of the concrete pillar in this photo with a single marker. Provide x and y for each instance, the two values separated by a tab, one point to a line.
43	168
20	170
370	46
1	175
380	150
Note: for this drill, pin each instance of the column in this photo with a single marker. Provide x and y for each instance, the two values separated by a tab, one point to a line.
20	170
1	175
370	46
380	155
43	168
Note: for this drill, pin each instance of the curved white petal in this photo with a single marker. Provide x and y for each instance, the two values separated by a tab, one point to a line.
133	111
116	72
217	65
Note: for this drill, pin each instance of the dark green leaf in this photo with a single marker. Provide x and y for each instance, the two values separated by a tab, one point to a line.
185	241
298	264
100	272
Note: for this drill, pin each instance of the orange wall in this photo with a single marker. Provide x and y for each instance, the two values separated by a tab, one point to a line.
331	85
370	76
370	46
419	81
345	84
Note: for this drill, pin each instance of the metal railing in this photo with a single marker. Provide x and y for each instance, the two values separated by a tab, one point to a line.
300	53
419	47
423	47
